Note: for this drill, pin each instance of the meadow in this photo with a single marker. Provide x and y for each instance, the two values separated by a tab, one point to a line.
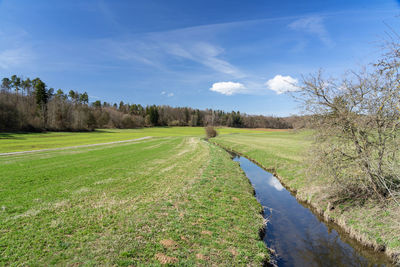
12	142
171	199
285	153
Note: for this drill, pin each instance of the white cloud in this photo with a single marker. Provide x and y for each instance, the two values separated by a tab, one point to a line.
228	88
313	25
281	84
167	94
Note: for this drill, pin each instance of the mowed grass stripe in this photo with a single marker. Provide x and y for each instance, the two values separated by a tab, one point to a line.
72	147
13	142
38	176
174	200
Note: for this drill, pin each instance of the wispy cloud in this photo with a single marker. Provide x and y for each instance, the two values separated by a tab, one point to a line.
158	53
14	57
157	49
15	47
313	25
135	51
164	93
110	16
204	53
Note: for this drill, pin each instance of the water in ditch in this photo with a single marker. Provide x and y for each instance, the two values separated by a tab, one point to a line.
299	237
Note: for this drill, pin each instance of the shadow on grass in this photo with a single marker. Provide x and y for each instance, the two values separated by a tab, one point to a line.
17	135
11	136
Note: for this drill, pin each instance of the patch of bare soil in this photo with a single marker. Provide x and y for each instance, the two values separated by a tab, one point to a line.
164	259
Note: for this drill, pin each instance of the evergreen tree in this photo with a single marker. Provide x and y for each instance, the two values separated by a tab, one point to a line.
40	94
16	82
42	97
153	113
97	104
6	84
26	86
84	98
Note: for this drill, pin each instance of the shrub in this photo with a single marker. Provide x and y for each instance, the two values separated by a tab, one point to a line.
211	132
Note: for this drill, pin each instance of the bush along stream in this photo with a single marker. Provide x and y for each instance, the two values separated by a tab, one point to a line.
298	237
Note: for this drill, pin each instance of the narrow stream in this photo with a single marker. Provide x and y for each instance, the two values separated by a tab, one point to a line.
299	237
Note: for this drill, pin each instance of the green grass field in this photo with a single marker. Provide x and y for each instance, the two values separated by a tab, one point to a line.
281	151
12	142
171	199
166	200
285	152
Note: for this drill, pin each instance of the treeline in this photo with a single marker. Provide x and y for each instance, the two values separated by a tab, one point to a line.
29	105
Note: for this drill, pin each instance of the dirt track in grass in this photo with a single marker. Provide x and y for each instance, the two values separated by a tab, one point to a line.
72	147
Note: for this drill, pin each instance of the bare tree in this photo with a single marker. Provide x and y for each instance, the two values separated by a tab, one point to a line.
357	120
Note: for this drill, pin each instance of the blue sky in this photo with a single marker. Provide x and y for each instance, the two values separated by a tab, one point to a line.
229	55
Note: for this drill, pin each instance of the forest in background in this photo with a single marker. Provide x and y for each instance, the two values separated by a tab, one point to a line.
29	105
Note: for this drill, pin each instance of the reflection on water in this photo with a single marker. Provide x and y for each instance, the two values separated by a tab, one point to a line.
275	184
298	236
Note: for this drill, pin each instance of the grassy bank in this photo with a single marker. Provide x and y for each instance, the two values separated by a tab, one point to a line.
284	152
12	142
175	200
